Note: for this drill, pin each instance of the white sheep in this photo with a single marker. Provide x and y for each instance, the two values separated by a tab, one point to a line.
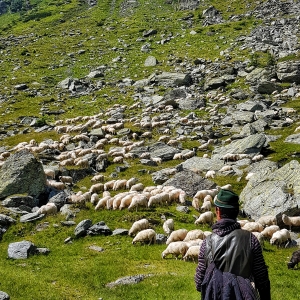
253	226
206	206
137	187
109	185
269	230
267	220
47	209
226	168
94	198
138	226
168	226
119	184
130	182
280	237
291	221
175	249
205	218
98	177
49	173
102	203
138	200
243	222
194	234
126	201
96	188
177	235
192	253
55	184
146	235
66	179
157	160
158	199
210	174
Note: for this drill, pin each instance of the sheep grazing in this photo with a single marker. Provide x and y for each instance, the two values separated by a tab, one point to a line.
295	259
55	184
210	174
66	179
137	187
161	198
168	226
291	221
49	173
47	209
119	184
94	198
253	226
138	226
281	237
206	206
175	249
205	218
192	253
194	235
269	230
177	235
267	220
98	177
138	200
96	188
102	203
126	201
146	235
130	182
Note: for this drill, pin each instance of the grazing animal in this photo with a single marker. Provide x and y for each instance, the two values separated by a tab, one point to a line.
295	259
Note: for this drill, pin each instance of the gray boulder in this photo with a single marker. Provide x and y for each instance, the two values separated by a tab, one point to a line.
4	296
288	71
99	228
293	138
17	201
162	150
190	182
22	173
251	145
172	79
21	250
273	192
6	220
30	217
82	227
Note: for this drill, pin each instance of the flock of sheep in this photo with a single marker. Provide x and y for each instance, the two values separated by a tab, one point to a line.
131	194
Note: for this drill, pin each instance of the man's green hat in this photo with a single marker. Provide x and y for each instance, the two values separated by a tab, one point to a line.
227	199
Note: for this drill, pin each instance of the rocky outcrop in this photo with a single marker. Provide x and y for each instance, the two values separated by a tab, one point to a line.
22	173
273	192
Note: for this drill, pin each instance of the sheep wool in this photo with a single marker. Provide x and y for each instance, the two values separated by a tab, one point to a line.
175	249
146	235
138	226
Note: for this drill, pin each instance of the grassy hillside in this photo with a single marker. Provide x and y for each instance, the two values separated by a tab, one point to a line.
59	39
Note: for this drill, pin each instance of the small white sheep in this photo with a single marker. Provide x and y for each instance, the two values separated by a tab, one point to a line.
175	249
98	177
280	237
291	221
49	173
109	185
146	235
138	200
269	230
206	206
194	234
126	201
210	174
47	209
177	235
138	226
253	226
96	188
119	184
102	203
137	187
161	198
94	198
267	220
192	253
66	179
168	226
130	182
205	218
55	184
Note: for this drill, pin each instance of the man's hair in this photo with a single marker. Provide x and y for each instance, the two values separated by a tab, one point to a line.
228	213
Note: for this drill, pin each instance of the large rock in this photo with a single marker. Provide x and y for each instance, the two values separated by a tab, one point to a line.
273	192
162	150
251	145
190	182
22	173
289	71
21	250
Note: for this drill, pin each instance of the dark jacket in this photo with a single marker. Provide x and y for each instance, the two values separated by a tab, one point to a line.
255	269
